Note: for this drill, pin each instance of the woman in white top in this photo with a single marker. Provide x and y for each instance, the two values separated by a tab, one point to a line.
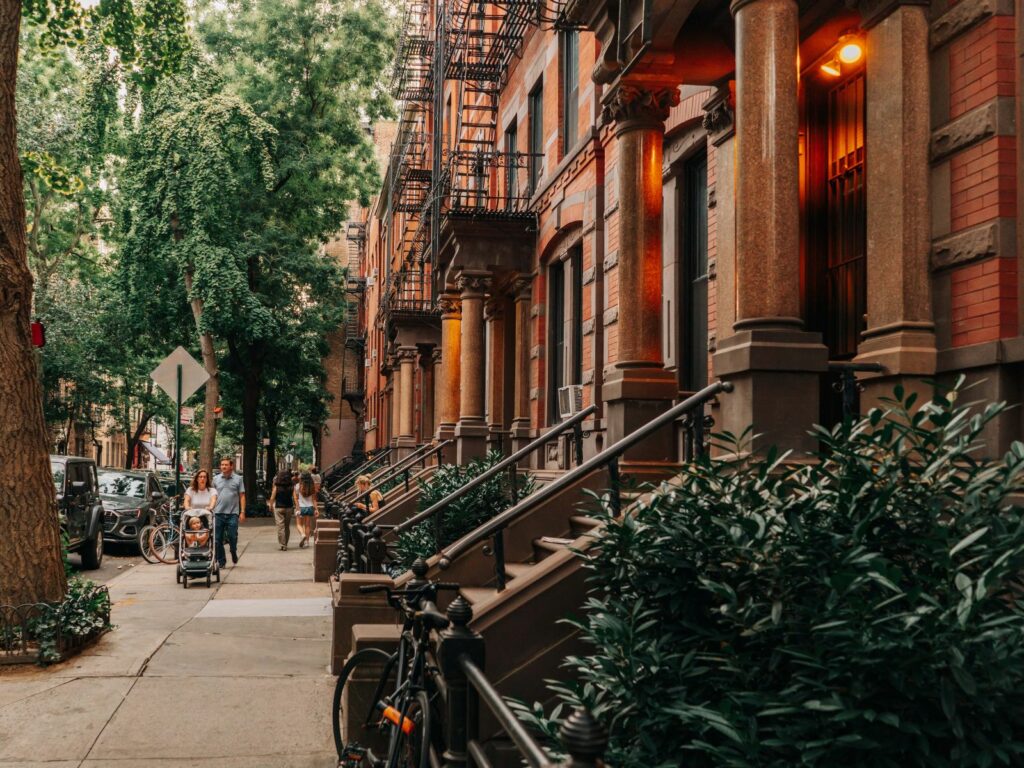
200	495
306	507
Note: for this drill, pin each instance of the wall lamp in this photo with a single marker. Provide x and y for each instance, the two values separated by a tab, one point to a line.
849	50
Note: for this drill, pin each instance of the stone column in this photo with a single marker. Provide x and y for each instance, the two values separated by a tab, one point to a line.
773	363
900	333
521	431
436	359
451	363
426	428
406	441
471	429
638	388
396	404
495	317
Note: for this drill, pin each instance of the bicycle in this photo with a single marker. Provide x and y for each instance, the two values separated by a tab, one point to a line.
404	715
160	540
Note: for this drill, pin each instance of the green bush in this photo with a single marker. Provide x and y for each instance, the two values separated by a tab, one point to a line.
463	515
863	608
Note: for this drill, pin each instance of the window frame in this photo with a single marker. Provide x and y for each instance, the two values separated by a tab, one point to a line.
535	135
569	46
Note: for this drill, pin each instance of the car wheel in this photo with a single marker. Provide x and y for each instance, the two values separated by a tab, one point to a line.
92	552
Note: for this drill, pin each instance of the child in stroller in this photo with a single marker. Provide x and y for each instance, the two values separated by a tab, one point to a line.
197	557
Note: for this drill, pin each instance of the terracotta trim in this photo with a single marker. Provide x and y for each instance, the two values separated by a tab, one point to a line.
964	16
996	238
994	118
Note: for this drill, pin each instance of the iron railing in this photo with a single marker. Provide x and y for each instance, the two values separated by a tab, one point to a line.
847	386
368	538
361	545
463	687
377	460
45	632
488	182
608	458
410	293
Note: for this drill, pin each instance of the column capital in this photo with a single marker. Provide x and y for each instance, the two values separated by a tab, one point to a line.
632	107
720	113
436	356
473	284
406	354
522	287
450	305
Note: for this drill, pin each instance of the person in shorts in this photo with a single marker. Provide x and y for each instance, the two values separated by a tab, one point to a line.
305	503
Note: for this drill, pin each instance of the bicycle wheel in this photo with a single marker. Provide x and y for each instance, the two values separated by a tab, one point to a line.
145	540
366	656
413	749
163	541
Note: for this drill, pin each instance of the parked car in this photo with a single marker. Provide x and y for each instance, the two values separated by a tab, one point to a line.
130	499
79	506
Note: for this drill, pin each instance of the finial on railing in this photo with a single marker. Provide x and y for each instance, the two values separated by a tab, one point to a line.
583	738
460	612
419	568
444	563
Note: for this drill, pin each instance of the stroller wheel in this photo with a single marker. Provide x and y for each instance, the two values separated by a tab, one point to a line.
207	580
177	575
184	581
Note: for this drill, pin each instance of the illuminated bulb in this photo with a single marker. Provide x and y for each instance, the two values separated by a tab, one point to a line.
832	68
851	53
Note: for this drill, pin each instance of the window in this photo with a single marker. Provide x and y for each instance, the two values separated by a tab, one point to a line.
694	373
570	88
512	170
556	336
535	115
576	313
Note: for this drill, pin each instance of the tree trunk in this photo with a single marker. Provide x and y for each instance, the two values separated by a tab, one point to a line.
209	439
272	448
135	436
250	421
30	548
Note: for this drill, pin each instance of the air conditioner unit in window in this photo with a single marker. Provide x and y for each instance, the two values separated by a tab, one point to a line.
366	425
370	281
570	401
366	362
374	422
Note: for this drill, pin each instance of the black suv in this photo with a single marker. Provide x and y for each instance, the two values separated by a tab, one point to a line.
79	507
130	500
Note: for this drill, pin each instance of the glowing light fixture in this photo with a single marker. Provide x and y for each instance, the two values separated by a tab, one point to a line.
851	50
832	68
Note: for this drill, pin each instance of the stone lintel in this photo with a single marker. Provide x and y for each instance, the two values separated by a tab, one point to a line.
996	238
995	118
965	15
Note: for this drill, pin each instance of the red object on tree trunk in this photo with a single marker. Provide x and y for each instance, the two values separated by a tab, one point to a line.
38	334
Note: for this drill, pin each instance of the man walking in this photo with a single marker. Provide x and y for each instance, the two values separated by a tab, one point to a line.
229	509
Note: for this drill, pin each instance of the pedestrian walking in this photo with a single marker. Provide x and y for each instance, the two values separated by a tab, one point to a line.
305	502
282	501
229	508
199	494
317	480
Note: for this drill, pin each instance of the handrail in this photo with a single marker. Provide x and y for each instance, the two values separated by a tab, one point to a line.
383	474
361	469
529	749
403	466
609	455
502	465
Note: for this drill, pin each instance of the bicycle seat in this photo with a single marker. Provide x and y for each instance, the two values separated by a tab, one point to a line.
432	617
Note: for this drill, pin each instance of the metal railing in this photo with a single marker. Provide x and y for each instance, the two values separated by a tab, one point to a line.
847	386
486	181
45	632
460	654
361	546
375	461
609	457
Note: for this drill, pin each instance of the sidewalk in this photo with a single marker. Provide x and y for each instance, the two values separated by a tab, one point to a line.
234	675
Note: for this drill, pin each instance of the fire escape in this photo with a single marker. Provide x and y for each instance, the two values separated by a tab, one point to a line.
407	299
480	204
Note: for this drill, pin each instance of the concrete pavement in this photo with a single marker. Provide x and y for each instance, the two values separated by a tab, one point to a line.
234	675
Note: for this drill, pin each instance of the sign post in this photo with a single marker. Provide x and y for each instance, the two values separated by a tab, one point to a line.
180	376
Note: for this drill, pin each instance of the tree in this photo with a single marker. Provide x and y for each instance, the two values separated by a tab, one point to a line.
154	40
314	71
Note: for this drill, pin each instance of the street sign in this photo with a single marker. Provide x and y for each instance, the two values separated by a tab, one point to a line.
193	375
288	458
188	415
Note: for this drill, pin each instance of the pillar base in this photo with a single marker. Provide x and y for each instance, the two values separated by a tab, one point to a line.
445	431
909	357
633	397
470	440
404	446
776	371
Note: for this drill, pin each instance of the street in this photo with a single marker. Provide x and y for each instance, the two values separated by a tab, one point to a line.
117	559
227	676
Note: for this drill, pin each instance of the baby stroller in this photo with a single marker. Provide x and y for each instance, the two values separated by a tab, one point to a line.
197	554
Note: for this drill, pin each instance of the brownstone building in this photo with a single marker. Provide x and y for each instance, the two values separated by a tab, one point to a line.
638	197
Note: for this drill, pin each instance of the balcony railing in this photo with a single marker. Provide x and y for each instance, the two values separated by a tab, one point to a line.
410	294
488	182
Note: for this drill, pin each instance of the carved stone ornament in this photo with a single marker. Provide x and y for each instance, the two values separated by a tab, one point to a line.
406	354
628	103
435	356
719	115
449	305
473	284
522	287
